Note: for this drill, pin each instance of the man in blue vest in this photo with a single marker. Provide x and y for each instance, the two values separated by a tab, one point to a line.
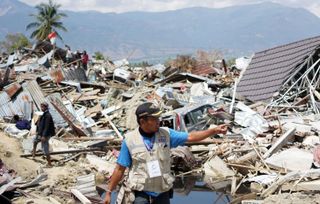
146	152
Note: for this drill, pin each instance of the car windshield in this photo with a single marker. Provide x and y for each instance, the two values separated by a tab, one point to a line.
196	116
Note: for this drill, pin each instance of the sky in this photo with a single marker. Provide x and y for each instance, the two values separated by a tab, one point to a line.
120	6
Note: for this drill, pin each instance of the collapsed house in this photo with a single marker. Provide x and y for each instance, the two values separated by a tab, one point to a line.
261	155
284	75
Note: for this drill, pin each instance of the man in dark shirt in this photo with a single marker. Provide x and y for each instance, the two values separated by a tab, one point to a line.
45	129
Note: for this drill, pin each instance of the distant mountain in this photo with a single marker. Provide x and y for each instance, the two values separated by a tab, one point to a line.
14	16
235	30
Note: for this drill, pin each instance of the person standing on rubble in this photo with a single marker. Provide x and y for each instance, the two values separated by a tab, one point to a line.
45	130
68	55
85	60
146	152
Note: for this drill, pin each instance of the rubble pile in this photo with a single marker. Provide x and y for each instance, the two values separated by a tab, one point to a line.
266	151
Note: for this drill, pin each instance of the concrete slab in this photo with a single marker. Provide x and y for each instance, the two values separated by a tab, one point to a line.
293	159
217	168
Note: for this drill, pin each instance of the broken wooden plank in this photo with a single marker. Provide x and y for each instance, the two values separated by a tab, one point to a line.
243	166
211	141
64	152
312	173
259	155
233	185
70	158
280	142
87	138
80	196
67	116
112	125
302	186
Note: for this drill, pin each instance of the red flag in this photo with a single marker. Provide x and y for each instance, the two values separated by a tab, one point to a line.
52	37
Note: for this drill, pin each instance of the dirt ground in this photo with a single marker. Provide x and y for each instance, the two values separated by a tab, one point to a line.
59	177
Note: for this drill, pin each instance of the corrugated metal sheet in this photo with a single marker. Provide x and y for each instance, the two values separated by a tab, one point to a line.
36	93
77	74
12	89
38	98
59	121
68	74
23	102
6	108
269	69
18	106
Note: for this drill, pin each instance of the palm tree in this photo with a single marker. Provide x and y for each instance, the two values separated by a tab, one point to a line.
47	21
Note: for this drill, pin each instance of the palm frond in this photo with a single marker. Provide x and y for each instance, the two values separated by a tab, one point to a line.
32	25
47	19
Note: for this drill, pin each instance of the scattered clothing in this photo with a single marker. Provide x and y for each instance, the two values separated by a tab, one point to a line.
23	125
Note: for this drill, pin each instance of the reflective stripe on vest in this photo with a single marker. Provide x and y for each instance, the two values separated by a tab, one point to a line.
138	175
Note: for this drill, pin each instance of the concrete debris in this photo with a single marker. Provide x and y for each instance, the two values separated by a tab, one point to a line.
217	168
292	159
268	148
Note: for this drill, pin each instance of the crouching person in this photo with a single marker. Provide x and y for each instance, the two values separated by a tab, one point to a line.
45	130
146	152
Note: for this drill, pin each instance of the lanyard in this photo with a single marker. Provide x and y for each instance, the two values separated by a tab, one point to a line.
149	146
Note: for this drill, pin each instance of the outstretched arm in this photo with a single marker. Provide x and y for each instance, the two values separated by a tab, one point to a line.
201	135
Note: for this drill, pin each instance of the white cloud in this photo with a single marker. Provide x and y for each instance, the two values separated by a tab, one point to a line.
315	8
119	6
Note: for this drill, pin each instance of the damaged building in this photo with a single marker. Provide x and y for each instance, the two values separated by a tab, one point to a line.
266	156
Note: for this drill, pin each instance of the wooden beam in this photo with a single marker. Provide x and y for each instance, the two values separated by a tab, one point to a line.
80	196
87	138
280	142
112	125
64	152
211	141
312	173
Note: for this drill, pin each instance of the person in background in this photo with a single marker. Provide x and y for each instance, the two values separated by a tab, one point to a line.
45	130
85	60
21	124
146	152
77	56
68	54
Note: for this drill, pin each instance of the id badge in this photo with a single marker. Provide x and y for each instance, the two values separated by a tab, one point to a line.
154	169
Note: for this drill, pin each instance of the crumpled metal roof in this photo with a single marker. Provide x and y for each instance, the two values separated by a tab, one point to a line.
6	108
270	68
38	97
68	74
20	105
